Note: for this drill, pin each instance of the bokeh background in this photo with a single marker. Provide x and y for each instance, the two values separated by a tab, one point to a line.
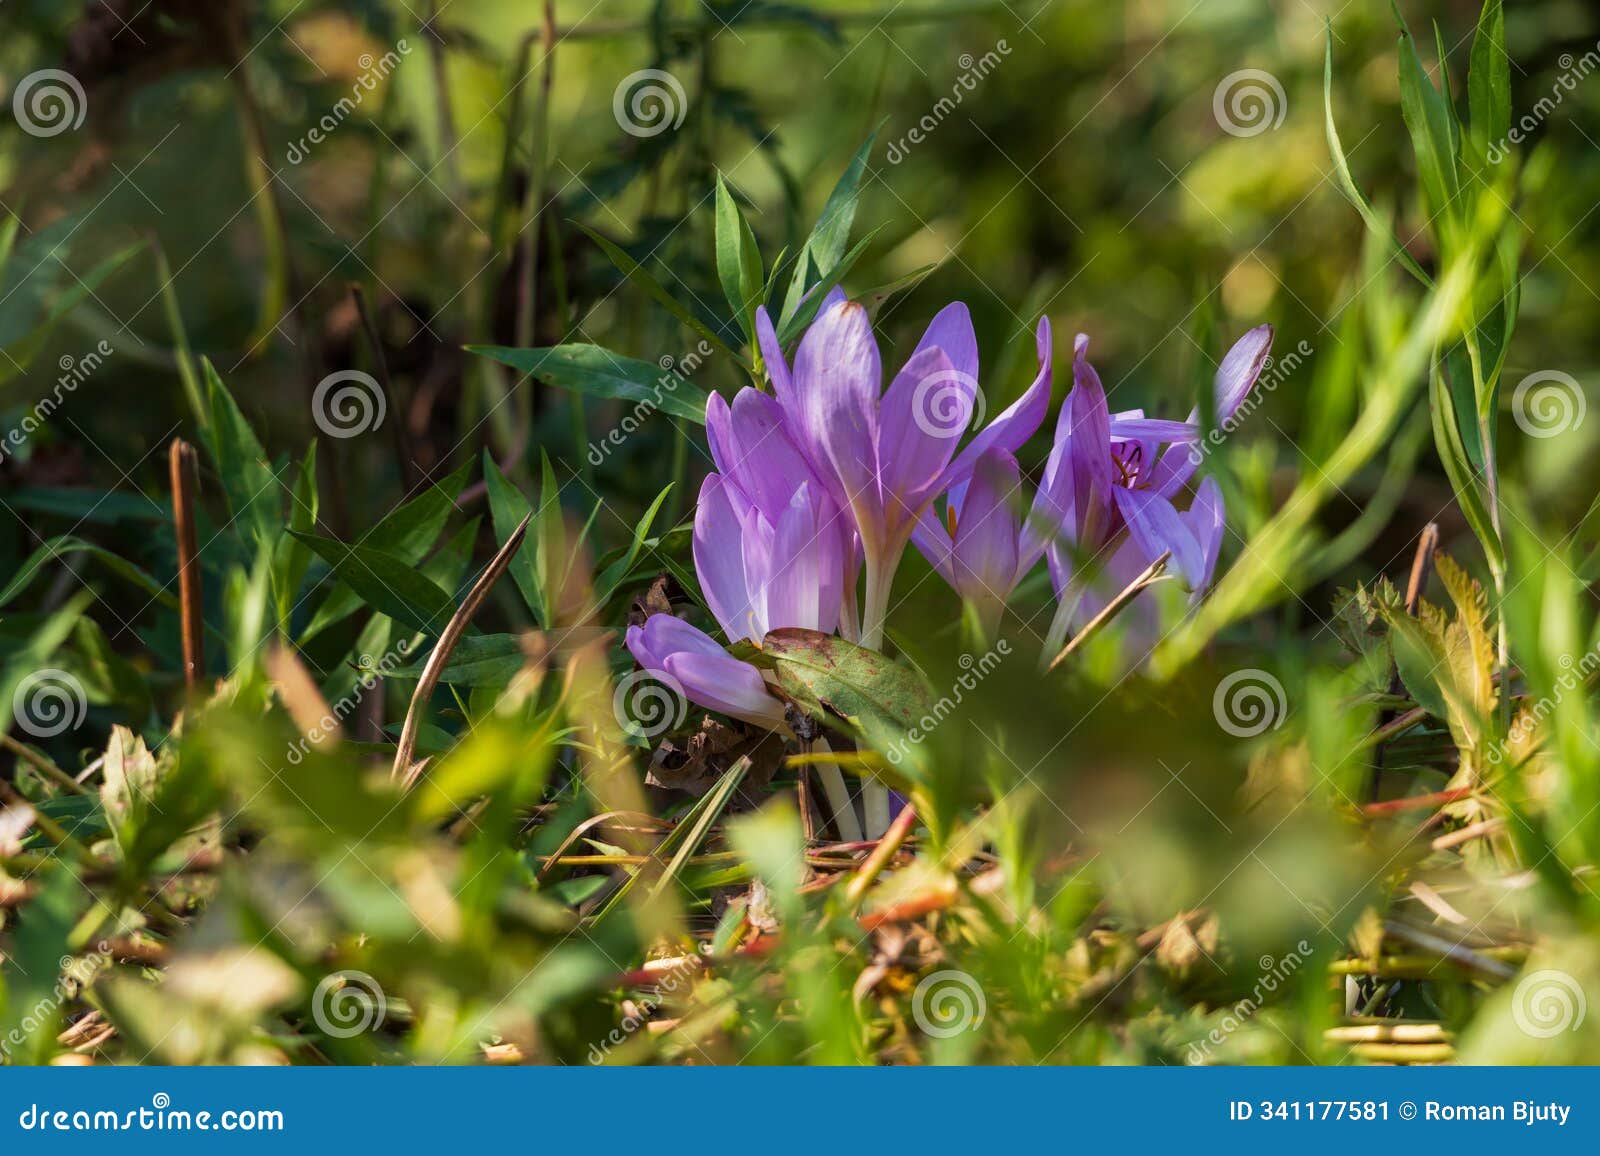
1081	170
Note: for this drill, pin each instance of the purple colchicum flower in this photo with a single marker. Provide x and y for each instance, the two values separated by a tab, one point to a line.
830	475
884	456
770	546
770	549
690	661
1108	474
977	544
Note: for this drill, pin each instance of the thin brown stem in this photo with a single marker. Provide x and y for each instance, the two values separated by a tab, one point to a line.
182	466
1129	592
448	639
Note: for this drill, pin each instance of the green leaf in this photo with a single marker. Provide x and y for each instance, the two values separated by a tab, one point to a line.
1431	123
407	532
802	317
293	557
102	507
738	261
490	660
507	508
248	480
617	573
1453	454
1489	80
66	544
597	372
29	661
35	302
827	675
107	677
825	247
641	277
389	584
1347	183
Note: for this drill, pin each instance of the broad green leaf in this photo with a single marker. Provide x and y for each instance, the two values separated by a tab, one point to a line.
407	532
507	508
826	674
1430	121
1489	81
293	557
597	372
738	260
30	975
490	660
447	569
101	507
248	480
389	584
1470	634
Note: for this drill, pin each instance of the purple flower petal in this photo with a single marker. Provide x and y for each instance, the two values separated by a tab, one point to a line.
1154	429
767	465
1205	519
720	553
837	376
1092	468
921	421
1240	369
664	635
772	355
987	529
1236	376
1157	528
933	540
1011	430
804	583
951	330
722	683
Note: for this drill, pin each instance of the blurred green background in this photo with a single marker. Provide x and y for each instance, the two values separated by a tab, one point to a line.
1081	171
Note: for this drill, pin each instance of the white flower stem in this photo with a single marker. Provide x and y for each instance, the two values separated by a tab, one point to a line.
876	608
875	797
1056	638
833	786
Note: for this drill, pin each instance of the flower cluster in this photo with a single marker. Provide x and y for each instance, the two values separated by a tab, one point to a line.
830	478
